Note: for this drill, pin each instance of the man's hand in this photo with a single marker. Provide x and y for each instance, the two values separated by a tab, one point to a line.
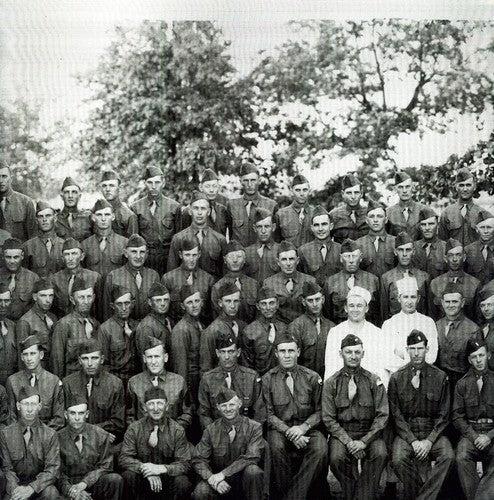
223	487
155	483
112	438
149	469
83	495
301	442
22	493
296	431
215	480
482	441
76	490
356	447
421	448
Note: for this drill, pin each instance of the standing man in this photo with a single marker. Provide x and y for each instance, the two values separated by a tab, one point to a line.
241	210
8	342
43	253
486	304
158	219
355	412
479	260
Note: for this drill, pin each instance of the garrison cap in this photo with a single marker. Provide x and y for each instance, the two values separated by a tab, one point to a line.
416	336
224	395
485	293
198	195
89	346
69	181
154	393
26	392
70	244
80	284
227	288
452	243
118	291
233	246
189	243
261	214
225	340
375	205
266	292
474	345
151	342
350	340
187	291
135	241
29	342
310	288
42	284
349	246
484	215
403	238
109	175
152	172
157	290
299	179
285	338
463	174
12	244
426	213
209	175
452	287
318	211
286	246
248	168
75	399
359	291
401	176
100	205
4	288
349	181
43	205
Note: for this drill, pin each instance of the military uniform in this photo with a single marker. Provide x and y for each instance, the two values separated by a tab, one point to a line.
80	228
313	263
153	325
112	257
22	296
260	260
38	260
398	223
125	222
433	264
8	350
291	228
452	224
5	415
343	225
475	263
217	219
487	333
19	216
377	262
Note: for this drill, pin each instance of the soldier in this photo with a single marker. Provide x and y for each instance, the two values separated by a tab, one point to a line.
261	256
43	253
236	473
337	286
5	419
355	412
321	256
155	375
405	214
103	391
17	215
294	221
104	250
229	374
259	336
73	329
473	416
311	329
479	260
133	275
86	459
212	244
419	399
234	261
469	286
71	221
241	210
404	251
34	375
39	320
8	342
155	454
377	246
486	303
292	394
29	452
288	283
19	280
125	222
349	219
158	219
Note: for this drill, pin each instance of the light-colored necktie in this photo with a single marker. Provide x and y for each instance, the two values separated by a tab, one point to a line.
153	207
238	284
376	243
12	283
49	245
406	213
260	251
213	214
27	435
301	215
70	220
168	324
48	321
71	284
88	328
406	274
232	433
200	236
78	442
448	328
416	379
318	326
248	208
289	286
127	329
138	279
352	388
289	382
32	380
485	331
351	281
353	216
199	326
464	210
89	387
455	279
3	328
3	204
154	381
428	249
103	243
190	279
153	437
485	252
235	328
480	383
324	252
272	333
228	380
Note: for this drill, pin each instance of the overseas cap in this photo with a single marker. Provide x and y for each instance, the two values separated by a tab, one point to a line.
70	244
157	290
224	395
266	292
69	181
89	346
136	241
225	340
401	176
118	291
101	205
286	246
187	291
42	284
452	243
452	288
310	288
227	288
209	175
349	246
463	174
29	342
426	213
350	340
189	243
154	393
299	179
12	244
248	168
261	214
416	336
152	172
285	338
374	205
474	345
26	392
80	284
349	181
233	246
110	175
403	238
198	195
43	205
74	399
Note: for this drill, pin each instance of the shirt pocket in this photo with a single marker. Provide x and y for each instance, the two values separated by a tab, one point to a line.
454	221
237	223
117	346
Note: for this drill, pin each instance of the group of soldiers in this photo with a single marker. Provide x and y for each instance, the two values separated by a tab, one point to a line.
217	349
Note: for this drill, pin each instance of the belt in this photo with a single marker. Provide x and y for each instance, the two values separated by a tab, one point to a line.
482	421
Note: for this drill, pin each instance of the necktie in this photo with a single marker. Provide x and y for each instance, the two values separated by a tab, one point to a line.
248	208
138	279
232	433
324	252
200	236
272	333
168	324
427	249
12	283
318	326
228	380
32	380
480	383
49	245
485	331
464	210
352	388
71	284
289	285
27	435
3	328
190	279
78	442
301	215
127	330
455	279
152	208
260	251
353	217
485	252
48	321
351	281
376	243
89	387
235	328
213	213
102	244
199	326
406	213
88	328
238	284
448	328
416	379
70	220
154	381
405	273
2	213
289	382
153	437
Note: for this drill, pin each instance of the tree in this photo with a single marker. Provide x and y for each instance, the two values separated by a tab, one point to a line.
168	98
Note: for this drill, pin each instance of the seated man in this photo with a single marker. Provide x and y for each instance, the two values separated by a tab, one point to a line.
293	402
479	260
29	452
86	460
155	454
355	412
419	401
486	320
236	473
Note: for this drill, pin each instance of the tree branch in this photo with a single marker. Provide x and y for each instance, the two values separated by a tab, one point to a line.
378	69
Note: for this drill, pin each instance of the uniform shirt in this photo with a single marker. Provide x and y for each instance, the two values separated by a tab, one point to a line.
377	262
362	418
153	325
5	415
8	351
336	290
112	257
173	449
244	381
19	216
452	224
257	351
397	222
452	347
22	298
487	332
105	404
311	340
240	223
50	390
285	409
311	261
475	263
215	453
175	390
260	268
37	464
69	333
289	227
36	256
343	225
433	264
82	225
469	404
217	219
87	466
125	222
290	303
421	413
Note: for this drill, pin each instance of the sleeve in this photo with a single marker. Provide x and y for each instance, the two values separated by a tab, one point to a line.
207	351
205	410
128	454
382	412
31	223
173	257
247	353
132	225
52	466
403	429
7	465
104	339
431	355
179	349
106	297
57	357
57	420
442	230
331	355
258	400
252	454
459	416
330	414
315	419
116	422
201	456
442	419
5	412
185	419
100	312
182	455
104	465
273	421
11	400
384	293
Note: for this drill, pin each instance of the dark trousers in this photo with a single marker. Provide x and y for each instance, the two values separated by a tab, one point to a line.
137	487
49	493
107	487
247	484
314	458
406	467
467	456
345	468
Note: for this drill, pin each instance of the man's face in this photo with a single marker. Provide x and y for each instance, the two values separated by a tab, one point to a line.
288	262
235	261
230	409
301	193
287	354
313	303
71	196
264	229
13	259
417	353
190	258
5	180
405	190
44	299
404	254
228	357
136	256
103	218
455	258
154	186
428	228
408	300
268	307
199	211
5	301
352	356
72	258
479	359
356	308
32	356
109	189
487	308
351	196
76	416
250	183
29	408
46	220
83	301
351	261
210	189
465	189
91	363
156	409
160	303
376	220
486	230
452	304
321	227
193	305
229	304
155	359
123	306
